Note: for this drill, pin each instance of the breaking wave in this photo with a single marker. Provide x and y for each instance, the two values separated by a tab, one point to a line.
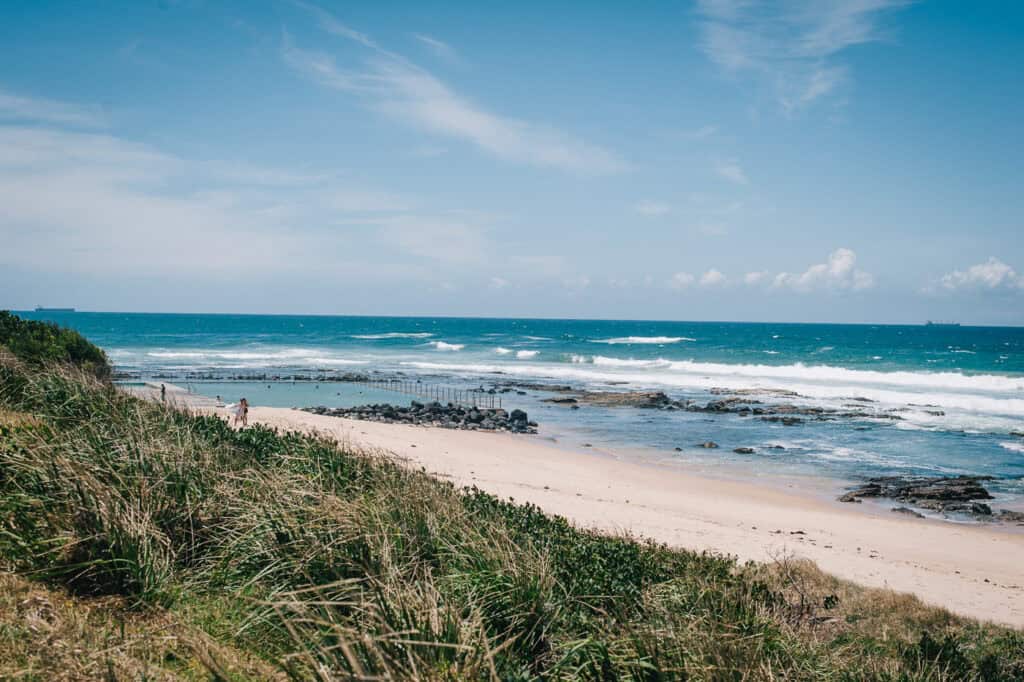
442	345
394	335
640	340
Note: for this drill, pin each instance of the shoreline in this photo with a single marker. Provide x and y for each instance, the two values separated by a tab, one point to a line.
972	570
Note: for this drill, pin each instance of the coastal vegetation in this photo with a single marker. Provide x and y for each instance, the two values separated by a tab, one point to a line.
38	343
139	541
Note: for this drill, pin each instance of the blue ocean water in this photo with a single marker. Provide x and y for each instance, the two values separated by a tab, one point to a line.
958	391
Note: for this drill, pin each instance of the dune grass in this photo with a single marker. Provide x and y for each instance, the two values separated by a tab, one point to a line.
271	554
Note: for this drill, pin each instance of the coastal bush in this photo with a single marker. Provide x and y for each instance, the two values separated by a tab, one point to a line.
321	562
40	343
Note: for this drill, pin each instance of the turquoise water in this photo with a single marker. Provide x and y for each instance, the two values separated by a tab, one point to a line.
973	376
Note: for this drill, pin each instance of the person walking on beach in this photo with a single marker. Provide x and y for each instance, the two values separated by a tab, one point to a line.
163	393
242	412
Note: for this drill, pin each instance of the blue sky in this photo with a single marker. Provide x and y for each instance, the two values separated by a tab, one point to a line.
852	160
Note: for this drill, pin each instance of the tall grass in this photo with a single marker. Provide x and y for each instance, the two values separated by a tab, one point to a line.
330	563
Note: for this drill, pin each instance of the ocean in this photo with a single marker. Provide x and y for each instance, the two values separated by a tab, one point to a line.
949	400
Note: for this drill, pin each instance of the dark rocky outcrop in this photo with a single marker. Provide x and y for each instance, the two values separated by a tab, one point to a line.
739	402
959	494
709	445
448	416
743	451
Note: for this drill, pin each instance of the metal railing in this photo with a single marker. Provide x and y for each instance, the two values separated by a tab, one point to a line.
471	397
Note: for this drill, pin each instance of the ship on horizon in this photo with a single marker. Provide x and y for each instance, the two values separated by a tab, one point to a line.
42	309
941	323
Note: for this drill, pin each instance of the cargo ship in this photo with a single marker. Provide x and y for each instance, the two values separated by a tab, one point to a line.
41	309
938	323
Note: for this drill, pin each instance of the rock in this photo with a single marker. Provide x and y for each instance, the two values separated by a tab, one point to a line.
743	451
641	399
450	416
561	401
678	449
908	511
1011	516
709	444
959	494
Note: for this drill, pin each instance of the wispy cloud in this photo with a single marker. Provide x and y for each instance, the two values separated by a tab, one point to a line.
992	274
791	43
82	202
731	170
681	280
22	108
651	208
392	84
438	47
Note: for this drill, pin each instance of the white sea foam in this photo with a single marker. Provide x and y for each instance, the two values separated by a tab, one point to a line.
502	351
526	354
394	335
642	340
972	402
1013	446
442	345
293	357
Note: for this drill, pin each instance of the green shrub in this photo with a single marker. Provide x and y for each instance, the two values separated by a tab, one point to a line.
40	343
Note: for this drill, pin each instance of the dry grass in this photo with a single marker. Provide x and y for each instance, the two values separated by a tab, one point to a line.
47	634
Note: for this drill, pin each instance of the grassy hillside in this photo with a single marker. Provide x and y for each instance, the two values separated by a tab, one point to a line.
169	546
40	343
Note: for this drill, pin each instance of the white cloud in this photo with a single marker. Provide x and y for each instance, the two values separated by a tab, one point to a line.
438	47
681	280
992	274
498	283
712	278
790	43
395	86
652	208
754	278
698	134
20	108
76	202
730	169
839	272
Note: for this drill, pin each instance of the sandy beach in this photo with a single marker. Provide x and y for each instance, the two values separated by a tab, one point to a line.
973	570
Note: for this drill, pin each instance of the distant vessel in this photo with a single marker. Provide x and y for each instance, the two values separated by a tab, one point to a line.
41	309
939	323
